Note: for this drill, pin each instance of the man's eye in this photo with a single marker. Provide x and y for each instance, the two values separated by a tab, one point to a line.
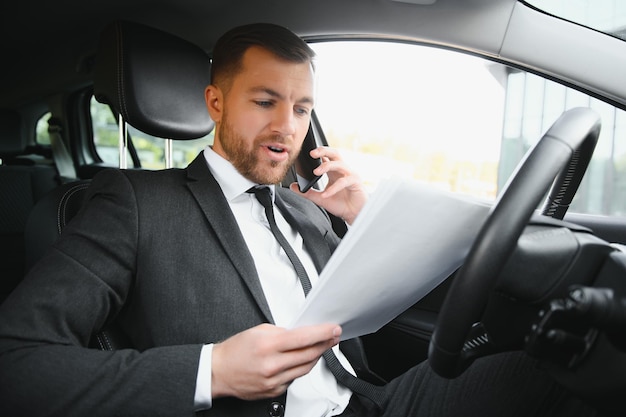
263	103
303	111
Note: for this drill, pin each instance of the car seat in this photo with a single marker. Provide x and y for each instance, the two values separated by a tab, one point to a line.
155	81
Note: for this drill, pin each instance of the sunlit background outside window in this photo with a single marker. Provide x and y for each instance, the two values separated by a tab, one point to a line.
410	111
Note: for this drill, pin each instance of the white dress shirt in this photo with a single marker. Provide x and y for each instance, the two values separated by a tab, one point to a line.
316	394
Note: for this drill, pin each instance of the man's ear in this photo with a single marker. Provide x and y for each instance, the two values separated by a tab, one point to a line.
214	102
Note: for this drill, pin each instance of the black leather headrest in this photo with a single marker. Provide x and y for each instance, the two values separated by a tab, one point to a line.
155	80
11	139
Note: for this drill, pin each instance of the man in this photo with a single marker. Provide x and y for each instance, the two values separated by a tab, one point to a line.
186	262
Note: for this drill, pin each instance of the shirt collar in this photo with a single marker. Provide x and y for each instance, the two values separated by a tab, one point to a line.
232	183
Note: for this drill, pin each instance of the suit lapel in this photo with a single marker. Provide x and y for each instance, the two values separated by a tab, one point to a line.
209	196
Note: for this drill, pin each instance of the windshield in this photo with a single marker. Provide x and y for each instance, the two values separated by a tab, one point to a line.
608	16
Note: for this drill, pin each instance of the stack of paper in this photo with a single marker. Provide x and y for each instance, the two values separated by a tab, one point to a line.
407	239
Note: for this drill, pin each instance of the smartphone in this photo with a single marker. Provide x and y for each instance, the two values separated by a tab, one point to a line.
305	164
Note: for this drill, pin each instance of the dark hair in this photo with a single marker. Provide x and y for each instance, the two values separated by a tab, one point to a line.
232	45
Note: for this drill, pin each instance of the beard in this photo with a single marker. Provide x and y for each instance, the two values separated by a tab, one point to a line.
246	159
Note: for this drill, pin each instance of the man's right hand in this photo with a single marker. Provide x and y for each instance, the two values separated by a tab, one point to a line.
262	361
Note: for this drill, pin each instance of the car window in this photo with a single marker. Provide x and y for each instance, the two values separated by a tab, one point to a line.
150	149
456	121
42	137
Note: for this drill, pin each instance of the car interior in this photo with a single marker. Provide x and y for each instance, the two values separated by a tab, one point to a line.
541	276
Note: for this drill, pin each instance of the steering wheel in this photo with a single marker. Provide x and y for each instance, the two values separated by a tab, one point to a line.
461	311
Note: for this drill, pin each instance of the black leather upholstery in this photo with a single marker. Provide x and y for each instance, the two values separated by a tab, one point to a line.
155	80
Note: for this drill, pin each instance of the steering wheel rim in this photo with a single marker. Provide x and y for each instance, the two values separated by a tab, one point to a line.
498	236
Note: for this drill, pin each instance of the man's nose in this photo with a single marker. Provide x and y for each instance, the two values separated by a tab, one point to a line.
284	121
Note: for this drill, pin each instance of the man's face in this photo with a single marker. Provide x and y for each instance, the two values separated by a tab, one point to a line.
264	116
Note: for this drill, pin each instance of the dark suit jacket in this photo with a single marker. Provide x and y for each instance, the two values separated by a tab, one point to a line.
160	253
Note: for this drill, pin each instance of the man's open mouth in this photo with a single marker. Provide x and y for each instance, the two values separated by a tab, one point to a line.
276	149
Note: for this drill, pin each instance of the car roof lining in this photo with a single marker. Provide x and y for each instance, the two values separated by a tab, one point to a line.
484	27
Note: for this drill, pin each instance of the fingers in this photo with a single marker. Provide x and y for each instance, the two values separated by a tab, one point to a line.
344	195
310	336
339	174
332	162
262	361
294	352
326	152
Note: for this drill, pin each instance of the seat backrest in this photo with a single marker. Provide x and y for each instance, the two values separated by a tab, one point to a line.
156	81
22	183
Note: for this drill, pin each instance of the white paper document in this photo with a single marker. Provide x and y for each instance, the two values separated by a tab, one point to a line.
407	239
